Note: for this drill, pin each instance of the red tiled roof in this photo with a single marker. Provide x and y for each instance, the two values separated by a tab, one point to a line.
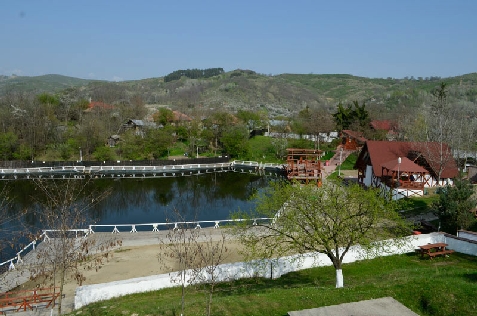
178	116
382	152
384	125
406	165
100	105
356	135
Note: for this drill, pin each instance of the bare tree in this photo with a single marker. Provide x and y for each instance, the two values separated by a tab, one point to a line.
68	248
180	250
211	252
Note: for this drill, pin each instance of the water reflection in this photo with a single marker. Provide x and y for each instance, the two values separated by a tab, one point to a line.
132	201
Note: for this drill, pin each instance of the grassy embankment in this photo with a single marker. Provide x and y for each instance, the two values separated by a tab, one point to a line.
442	286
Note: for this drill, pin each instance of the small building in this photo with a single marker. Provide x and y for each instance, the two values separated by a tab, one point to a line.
352	140
405	168
113	140
136	125
472	174
96	106
304	165
179	118
387	127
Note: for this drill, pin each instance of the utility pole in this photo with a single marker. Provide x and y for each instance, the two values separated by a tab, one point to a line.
341	157
399	164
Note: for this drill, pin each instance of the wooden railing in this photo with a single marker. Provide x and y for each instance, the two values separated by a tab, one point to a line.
28	299
406	184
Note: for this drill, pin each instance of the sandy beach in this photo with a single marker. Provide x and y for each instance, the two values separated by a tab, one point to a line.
141	254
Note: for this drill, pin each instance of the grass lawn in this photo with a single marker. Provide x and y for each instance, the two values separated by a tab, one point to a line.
442	286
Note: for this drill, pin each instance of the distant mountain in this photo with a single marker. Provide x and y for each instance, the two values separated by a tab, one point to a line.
279	95
38	84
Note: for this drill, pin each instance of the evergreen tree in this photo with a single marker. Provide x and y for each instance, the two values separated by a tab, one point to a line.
456	205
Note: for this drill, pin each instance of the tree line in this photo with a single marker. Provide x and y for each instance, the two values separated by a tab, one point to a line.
193	73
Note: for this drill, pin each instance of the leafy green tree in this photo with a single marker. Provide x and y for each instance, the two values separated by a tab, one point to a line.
216	124
235	140
456	206
158	141
104	153
252	119
131	146
163	116
300	123
23	152
329	220
8	145
64	150
46	98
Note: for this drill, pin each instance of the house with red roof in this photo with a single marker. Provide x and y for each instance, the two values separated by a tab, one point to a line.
98	106
405	168
352	140
386	126
180	118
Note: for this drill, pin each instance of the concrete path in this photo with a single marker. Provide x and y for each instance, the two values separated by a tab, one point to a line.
386	306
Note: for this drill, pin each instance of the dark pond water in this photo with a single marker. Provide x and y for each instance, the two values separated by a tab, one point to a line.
213	196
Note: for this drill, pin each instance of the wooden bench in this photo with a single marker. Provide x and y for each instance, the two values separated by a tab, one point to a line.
433	250
440	253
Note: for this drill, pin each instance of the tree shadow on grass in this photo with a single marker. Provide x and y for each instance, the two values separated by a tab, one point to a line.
471	277
303	278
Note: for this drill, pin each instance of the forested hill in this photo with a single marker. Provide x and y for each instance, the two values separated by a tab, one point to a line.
245	89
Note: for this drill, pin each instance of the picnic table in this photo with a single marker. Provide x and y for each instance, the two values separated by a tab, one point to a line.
433	250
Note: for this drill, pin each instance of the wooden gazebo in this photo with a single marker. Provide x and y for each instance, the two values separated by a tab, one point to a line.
404	174
304	165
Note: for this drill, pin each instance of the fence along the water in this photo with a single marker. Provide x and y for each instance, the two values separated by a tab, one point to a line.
116	229
75	171
16	164
236	166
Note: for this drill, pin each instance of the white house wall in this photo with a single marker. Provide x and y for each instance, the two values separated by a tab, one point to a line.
368	176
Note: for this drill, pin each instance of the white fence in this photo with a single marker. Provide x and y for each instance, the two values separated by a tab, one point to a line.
273	268
155	227
131	228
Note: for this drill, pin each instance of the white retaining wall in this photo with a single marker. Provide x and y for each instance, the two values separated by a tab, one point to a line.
463	243
467	235
98	292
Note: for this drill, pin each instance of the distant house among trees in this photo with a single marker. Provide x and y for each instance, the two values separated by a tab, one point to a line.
405	168
387	127
113	140
136	125
352	140
98	106
179	118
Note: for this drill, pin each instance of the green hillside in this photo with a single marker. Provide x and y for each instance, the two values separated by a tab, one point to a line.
279	95
45	83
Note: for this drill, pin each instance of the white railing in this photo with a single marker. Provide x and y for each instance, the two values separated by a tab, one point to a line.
80	172
255	164
85	232
18	257
83	169
154	227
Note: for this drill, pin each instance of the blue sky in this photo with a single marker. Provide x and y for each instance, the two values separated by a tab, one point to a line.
128	40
